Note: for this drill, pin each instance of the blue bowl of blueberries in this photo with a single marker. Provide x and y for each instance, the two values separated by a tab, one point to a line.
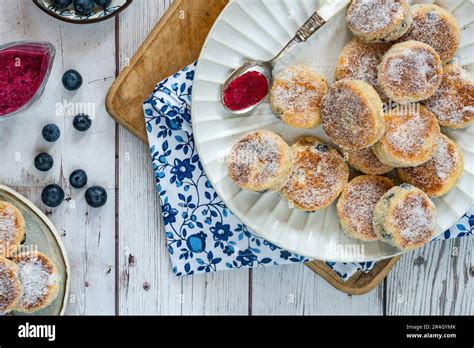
82	11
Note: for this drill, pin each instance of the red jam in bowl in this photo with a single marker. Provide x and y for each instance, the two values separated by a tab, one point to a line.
245	91
24	69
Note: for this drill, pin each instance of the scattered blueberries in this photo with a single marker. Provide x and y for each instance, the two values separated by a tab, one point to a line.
103	3
51	133
61	4
84	7
52	196
78	179
82	122
44	162
72	80
96	196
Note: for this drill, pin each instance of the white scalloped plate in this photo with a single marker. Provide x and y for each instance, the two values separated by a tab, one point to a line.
257	30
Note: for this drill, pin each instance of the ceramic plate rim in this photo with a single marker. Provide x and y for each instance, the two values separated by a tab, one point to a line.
56	235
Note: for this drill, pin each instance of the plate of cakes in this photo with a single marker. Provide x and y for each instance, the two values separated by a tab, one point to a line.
34	269
364	146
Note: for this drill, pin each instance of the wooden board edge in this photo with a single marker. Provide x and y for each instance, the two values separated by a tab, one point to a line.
368	280
109	105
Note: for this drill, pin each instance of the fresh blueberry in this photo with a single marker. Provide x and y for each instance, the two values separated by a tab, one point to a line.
51	133
322	148
82	122
78	179
61	4
432	16
84	7
96	196
44	162
72	80
103	3
52	196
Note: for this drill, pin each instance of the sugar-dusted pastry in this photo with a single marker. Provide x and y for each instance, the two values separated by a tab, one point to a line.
352	114
12	228
357	202
453	102
410	71
359	61
318	176
40	280
260	161
11	289
436	27
365	161
378	20
439	175
296	96
405	218
410	138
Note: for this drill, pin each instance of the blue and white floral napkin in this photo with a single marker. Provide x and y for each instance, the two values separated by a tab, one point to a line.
202	234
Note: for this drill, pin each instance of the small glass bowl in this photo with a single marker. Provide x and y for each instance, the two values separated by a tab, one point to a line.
49	52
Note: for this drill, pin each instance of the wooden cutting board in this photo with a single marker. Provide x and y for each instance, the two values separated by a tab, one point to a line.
175	42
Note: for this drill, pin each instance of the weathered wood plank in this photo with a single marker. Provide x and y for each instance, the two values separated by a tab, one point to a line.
147	285
435	280
88	234
296	290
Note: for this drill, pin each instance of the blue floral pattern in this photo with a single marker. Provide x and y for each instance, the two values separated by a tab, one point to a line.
202	234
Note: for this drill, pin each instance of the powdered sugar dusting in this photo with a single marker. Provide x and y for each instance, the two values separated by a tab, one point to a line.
8	289
346	117
256	159
7	225
411	135
363	193
432	175
359	61
369	16
297	90
410	71
317	179
367	162
453	102
443	160
405	136
436	27
415	218
293	96
35	277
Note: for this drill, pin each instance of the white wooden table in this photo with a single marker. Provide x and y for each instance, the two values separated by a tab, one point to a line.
118	259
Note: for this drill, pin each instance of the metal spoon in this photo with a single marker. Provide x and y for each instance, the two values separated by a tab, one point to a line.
266	68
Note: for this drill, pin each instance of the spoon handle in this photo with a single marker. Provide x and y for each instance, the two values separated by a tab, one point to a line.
309	27
304	33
